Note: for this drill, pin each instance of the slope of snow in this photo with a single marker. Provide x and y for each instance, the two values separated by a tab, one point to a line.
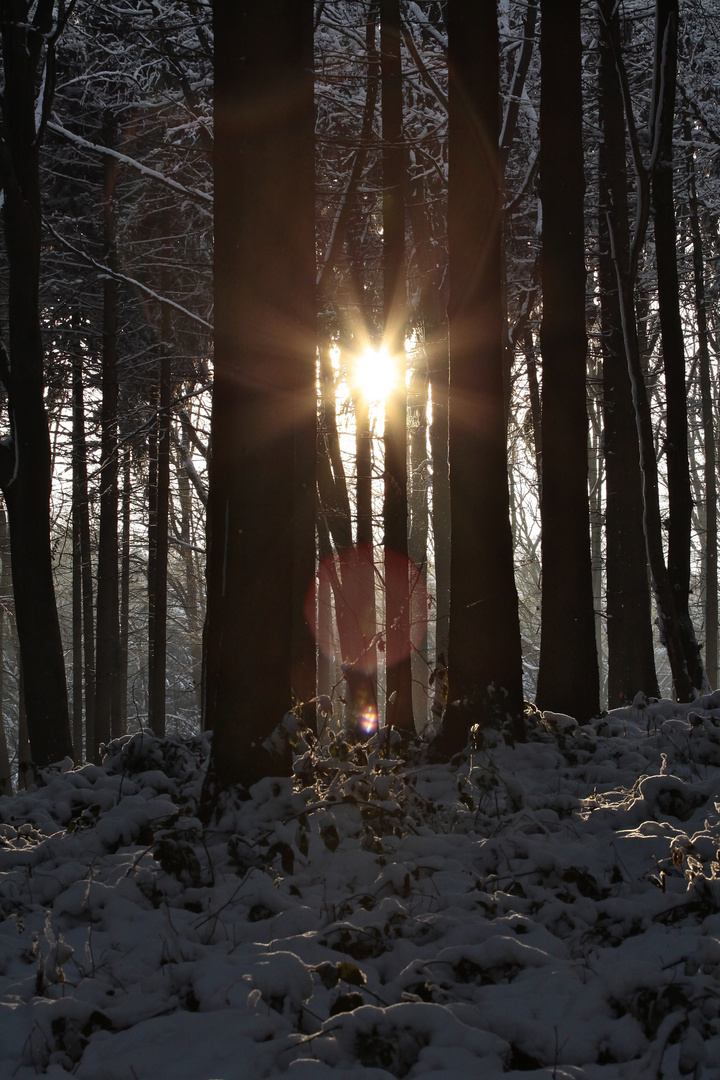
550	909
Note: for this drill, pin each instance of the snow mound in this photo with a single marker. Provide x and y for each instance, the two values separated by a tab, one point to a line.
546	909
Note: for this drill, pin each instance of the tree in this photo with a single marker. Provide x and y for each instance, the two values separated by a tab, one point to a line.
484	659
29	35
107	704
395	509
679	520
568	678
264	391
631	664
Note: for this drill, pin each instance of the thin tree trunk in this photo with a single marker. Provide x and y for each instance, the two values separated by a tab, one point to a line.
670	627
6	784
568	678
395	505
710	552
631	660
436	345
107	559
81	510
679	518
191	597
418	538
160	512
124	592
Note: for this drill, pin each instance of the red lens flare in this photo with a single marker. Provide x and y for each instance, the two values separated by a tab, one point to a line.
353	580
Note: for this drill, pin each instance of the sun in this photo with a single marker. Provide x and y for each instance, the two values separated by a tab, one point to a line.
375	374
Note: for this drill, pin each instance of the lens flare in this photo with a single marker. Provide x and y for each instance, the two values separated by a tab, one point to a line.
368	721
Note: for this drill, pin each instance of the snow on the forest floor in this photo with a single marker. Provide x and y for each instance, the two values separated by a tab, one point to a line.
545	910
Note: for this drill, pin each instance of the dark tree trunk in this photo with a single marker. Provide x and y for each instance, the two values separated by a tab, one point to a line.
25	469
395	506
484	657
124	593
6	784
680	504
568	678
158	536
264	392
418	536
191	592
631	660
107	560
436	345
670	627
351	574
709	412
83	613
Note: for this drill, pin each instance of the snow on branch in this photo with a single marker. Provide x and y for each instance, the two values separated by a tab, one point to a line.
192	193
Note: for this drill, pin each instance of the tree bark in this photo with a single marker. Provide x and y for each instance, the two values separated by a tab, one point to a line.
709	410
264	391
158	537
395	505
25	473
631	660
484	658
81	521
680	506
124	592
106	706
568	678
6	784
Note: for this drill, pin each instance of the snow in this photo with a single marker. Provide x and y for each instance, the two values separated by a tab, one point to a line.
548	909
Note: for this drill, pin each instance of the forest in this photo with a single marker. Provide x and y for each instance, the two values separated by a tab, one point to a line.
532	519
359	382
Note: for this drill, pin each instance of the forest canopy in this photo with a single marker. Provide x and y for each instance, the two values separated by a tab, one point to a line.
359	362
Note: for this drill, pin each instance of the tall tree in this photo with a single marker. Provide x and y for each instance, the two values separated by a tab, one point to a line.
671	627
395	508
29	35
108	616
484	658
83	614
264	391
159	505
680	503
710	545
6	784
568	679
631	662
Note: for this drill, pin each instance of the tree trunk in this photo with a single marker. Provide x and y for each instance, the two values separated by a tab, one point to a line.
264	392
484	657
158	536
709	412
679	519
124	593
25	473
436	344
418	538
107	560
6	784
395	505
626	270
188	555
631	659
568	678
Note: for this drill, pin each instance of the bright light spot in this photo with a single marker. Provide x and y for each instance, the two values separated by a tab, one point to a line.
368	720
375	374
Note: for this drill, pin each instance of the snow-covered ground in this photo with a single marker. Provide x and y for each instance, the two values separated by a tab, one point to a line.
545	910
